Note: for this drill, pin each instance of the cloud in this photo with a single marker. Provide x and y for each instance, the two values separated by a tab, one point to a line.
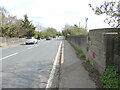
56	13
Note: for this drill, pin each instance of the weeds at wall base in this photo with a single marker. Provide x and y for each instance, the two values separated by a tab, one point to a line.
109	79
93	73
79	52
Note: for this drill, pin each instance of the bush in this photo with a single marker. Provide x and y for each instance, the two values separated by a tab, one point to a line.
110	77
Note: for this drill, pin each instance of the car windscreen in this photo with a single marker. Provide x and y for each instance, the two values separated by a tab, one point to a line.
29	38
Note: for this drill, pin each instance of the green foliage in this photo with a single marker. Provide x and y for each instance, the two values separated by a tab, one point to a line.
111	10
28	27
48	32
73	30
59	34
88	66
12	27
80	53
37	35
8	31
110	77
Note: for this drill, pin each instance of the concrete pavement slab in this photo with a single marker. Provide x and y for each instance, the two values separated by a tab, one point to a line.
73	74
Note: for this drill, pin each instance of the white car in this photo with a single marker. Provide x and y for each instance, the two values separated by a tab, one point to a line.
31	40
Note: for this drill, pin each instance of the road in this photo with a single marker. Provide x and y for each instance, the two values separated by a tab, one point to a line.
28	66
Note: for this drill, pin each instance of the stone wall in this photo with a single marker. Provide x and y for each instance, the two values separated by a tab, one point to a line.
98	46
101	43
80	41
11	41
96	49
112	49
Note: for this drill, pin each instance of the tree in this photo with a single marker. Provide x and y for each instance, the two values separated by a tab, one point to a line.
48	32
8	24
73	30
59	34
51	31
3	13
39	26
11	20
112	10
28	29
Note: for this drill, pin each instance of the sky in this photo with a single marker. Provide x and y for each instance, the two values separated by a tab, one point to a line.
57	13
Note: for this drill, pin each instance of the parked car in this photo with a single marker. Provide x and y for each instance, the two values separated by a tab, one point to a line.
54	36
31	40
48	38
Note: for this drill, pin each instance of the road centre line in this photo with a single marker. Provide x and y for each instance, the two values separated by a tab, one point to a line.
9	56
15	53
30	47
33	46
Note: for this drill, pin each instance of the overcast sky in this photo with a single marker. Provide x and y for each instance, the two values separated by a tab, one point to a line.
56	13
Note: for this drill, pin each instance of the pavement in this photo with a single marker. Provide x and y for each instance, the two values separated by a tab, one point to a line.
73	74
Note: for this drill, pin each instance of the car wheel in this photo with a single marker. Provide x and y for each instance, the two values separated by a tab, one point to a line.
36	42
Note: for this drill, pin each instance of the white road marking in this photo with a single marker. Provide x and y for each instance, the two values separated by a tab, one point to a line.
49	83
9	56
30	47
62	57
17	52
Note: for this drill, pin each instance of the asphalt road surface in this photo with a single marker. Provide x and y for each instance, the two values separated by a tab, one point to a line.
28	66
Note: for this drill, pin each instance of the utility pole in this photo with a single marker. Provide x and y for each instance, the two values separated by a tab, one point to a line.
0	21
79	24
0	18
86	19
118	28
118	14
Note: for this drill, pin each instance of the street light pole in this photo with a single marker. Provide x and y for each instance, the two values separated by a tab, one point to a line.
118	8
86	19
118	14
79	24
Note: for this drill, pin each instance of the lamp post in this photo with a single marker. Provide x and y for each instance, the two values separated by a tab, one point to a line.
118	14
86	19
118	7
